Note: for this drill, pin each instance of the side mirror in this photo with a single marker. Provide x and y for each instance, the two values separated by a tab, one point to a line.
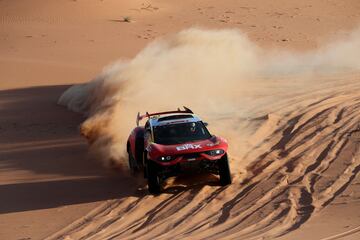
206	124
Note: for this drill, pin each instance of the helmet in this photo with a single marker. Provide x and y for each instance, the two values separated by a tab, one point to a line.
193	127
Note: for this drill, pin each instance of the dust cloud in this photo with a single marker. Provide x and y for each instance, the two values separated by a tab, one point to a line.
220	74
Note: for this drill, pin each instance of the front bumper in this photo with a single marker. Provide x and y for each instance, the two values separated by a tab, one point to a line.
184	167
189	158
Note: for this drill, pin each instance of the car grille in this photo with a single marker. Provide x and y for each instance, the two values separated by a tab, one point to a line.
191	155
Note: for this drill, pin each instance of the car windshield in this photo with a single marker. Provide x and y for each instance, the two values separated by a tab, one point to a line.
180	133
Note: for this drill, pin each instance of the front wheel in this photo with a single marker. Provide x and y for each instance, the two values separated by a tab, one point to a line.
224	171
153	178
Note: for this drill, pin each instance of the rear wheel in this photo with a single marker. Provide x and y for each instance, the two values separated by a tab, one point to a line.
144	159
139	148
224	171
132	164
153	178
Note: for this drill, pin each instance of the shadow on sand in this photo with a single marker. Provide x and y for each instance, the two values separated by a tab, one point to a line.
45	158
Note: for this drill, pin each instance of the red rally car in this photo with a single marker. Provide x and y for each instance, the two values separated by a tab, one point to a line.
175	142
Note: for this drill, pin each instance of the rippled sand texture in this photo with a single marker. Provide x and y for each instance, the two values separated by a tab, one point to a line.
295	169
307	158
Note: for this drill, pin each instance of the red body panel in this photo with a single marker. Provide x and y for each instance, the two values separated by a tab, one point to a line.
132	139
185	152
155	151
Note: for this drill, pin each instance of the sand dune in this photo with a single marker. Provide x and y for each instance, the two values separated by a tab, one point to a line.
298	177
307	160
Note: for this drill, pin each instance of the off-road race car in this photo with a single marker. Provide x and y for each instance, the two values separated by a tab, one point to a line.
175	142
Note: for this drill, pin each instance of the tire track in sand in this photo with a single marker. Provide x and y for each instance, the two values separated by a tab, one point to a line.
307	159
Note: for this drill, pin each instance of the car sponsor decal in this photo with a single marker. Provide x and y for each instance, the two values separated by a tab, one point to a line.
188	146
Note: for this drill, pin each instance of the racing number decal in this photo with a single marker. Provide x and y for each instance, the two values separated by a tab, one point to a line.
188	146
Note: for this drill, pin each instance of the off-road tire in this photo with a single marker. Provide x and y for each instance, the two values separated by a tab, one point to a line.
153	178
139	148
144	159
132	165
224	171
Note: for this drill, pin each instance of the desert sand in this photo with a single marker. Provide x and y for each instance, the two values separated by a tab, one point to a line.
294	138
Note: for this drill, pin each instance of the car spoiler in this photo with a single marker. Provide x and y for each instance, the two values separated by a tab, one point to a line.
140	117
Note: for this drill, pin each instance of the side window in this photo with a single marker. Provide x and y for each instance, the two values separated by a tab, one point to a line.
147	137
147	125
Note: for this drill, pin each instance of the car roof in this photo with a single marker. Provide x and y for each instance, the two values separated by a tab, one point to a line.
167	119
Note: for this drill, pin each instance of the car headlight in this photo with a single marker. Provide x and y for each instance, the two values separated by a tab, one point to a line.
215	152
166	158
